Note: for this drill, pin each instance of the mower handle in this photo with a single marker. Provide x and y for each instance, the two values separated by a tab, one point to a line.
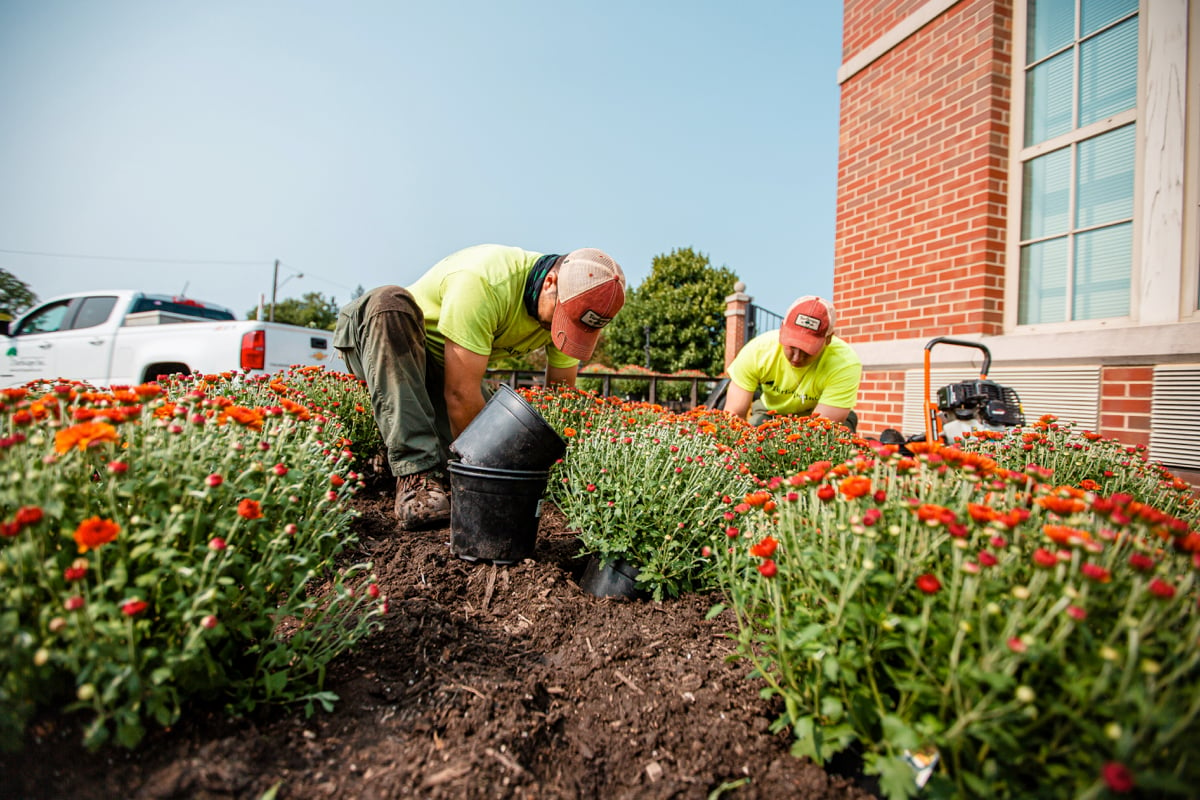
932	424
987	354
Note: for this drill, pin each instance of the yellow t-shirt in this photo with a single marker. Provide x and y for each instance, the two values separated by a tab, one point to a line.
475	298
831	380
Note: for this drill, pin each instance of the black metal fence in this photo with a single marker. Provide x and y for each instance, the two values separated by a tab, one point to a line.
760	320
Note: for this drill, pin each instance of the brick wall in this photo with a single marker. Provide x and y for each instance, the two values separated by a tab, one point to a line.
1125	403
880	402
922	175
864	22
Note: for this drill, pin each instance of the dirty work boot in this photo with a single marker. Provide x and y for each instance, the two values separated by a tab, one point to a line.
422	500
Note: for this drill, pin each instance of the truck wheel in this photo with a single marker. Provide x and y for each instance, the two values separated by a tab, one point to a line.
152	372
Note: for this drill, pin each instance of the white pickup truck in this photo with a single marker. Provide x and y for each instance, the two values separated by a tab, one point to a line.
123	337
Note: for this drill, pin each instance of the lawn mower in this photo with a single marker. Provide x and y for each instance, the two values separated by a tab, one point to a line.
965	406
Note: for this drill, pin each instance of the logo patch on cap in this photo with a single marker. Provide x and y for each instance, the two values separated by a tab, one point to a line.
594	320
805	321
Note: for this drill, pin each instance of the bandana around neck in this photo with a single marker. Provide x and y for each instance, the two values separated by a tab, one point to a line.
533	283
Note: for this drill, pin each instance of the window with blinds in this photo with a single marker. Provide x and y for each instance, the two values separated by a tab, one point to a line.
1076	215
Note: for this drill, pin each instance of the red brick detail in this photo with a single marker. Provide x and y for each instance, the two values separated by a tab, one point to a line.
922	174
1125	394
880	402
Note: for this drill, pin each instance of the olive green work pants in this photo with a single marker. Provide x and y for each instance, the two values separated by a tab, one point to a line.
381	335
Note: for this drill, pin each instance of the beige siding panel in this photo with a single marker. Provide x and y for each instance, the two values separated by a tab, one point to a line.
1175	416
1070	393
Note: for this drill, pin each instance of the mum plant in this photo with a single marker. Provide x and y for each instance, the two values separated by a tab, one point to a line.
973	631
651	496
162	548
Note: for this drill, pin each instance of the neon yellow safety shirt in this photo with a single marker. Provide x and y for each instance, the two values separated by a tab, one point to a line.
475	298
831	380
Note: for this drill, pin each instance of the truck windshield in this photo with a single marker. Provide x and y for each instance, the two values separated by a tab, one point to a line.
152	304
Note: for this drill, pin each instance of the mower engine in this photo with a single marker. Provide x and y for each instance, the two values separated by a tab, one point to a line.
977	405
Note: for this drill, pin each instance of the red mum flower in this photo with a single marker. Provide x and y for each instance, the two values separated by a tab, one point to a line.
28	515
768	568
1044	558
1161	588
826	493
928	583
765	548
336	480
1096	573
1118	777
1141	562
132	608
986	559
249	509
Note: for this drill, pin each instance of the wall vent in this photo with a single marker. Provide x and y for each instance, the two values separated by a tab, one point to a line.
1175	416
1070	393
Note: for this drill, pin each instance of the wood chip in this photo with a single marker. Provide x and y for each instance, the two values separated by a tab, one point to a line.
625	680
451	773
505	760
461	688
491	585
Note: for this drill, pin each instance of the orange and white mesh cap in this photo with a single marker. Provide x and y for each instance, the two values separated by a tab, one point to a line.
807	325
591	290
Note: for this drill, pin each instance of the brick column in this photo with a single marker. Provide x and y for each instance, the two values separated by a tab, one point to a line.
737	306
1125	399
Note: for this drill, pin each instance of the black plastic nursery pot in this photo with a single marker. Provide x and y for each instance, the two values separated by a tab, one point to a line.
494	513
509	433
612	579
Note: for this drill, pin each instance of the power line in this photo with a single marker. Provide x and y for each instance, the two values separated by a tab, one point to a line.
135	258
310	274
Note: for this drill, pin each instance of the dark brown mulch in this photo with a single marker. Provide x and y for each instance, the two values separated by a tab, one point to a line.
487	682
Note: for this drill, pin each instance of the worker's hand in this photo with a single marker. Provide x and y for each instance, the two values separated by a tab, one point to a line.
465	371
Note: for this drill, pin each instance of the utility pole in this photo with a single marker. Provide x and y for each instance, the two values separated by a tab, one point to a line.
274	288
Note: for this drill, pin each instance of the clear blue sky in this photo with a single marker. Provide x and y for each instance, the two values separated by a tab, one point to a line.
359	142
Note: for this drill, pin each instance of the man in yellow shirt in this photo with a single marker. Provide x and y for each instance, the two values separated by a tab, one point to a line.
802	369
424	351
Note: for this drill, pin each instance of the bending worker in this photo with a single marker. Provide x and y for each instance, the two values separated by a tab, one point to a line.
423	351
802	369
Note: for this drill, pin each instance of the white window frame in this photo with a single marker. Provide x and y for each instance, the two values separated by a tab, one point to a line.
1021	155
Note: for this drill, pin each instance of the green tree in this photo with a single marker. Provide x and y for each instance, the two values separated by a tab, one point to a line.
15	295
313	310
679	310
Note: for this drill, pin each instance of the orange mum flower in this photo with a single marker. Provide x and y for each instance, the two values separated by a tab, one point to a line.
84	435
855	486
249	509
1063	506
569	432
93	532
247	417
765	548
1061	534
